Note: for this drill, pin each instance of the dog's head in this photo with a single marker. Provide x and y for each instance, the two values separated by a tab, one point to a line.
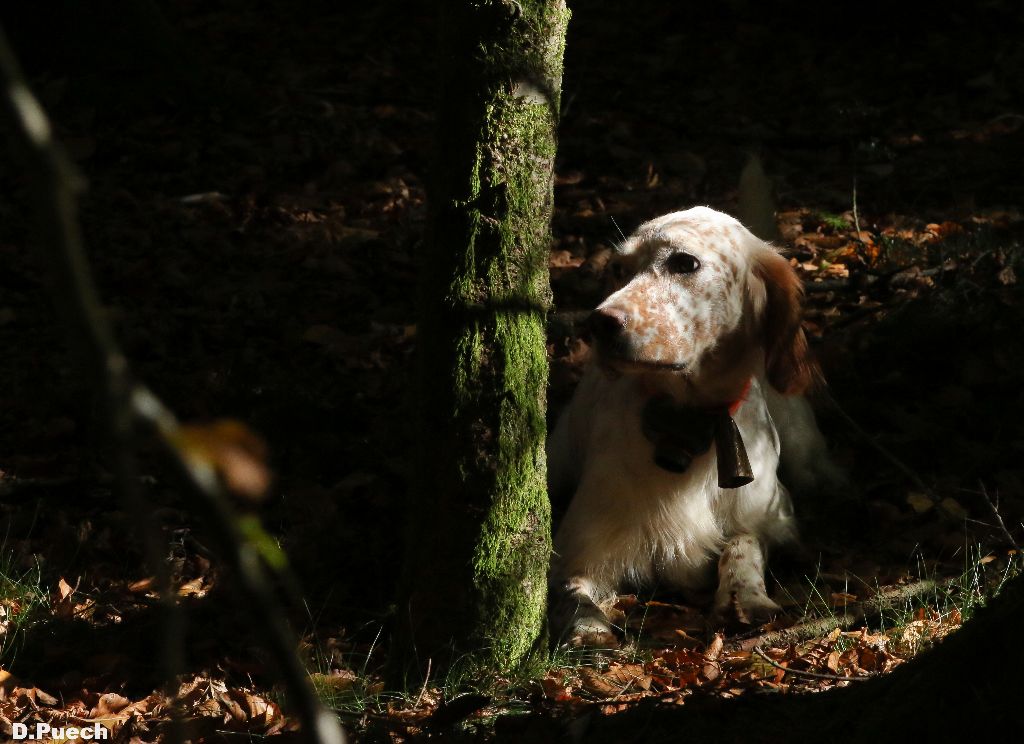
700	296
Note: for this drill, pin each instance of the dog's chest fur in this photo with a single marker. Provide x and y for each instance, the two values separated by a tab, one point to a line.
633	521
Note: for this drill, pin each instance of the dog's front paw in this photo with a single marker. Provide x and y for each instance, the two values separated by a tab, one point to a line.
745	608
590	627
592	630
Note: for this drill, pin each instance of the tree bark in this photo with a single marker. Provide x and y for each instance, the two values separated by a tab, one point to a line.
475	581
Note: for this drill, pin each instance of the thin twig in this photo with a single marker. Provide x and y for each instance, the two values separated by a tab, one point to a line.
55	185
812	675
245	560
128	404
619	229
426	679
898	463
847	618
856	218
999	517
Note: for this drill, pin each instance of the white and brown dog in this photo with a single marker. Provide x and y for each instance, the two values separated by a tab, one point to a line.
705	330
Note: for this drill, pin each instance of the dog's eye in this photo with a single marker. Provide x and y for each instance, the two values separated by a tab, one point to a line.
682	263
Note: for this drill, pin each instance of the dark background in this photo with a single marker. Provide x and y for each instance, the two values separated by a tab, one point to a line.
256	197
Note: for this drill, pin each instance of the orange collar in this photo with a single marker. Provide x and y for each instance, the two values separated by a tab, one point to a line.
732	406
735	405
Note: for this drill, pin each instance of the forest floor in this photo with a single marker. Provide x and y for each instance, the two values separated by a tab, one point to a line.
257	252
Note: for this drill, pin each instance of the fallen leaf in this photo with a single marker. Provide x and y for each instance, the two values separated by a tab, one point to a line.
564	259
142	585
629	674
715	648
555	688
232	450
919	502
194	588
833	662
338	680
109	704
951	508
62	603
842	599
596	684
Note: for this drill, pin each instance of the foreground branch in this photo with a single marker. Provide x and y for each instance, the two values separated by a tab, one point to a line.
55	185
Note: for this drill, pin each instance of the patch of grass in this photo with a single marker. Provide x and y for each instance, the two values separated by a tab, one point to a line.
352	684
942	606
982	578
347	683
834	221
567	659
897	252
348	677
22	601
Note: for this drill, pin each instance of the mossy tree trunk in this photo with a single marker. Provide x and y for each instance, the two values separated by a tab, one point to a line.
479	543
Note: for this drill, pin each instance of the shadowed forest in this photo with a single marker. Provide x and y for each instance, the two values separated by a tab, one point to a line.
254	213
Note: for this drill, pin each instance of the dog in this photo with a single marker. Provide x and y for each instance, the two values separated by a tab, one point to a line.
670	445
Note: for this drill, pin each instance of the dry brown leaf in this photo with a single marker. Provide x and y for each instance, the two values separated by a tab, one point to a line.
233	708
33	696
715	648
596	684
833	662
233	451
142	585
554	688
919	502
109	704
208	709
564	259
943	230
252	705
194	588
683	638
338	680
952	509
7	682
61	601
629	675
780	674
841	599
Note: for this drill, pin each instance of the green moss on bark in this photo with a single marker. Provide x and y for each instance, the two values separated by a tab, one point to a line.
475	579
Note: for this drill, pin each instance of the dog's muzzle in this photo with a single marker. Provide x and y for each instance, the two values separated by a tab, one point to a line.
608	326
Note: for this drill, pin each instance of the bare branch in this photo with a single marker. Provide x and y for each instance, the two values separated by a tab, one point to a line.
846	618
55	185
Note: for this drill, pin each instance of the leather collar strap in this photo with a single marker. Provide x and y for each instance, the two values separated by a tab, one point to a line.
681	433
735	405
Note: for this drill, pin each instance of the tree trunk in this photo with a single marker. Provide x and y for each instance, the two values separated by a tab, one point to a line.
479	544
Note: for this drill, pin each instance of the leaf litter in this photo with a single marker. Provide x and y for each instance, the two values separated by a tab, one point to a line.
308	215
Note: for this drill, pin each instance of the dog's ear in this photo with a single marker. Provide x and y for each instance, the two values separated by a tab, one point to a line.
789	366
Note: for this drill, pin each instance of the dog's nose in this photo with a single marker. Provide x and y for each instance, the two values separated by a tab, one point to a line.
607	323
